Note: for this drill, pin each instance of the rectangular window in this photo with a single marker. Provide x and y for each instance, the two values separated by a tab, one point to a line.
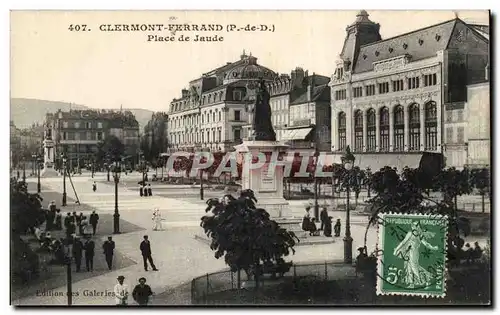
71	136
397	85
237	115
460	135
88	125
213	135
370	90
383	88
414	139
340	95
371	141
99	136
65	124
342	139
237	134
77	124
449	135
460	115
65	136
449	116
384	139
237	95
219	136
357	91
399	138
413	83
430	79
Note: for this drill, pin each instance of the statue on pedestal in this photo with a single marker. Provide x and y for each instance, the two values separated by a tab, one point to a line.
262	125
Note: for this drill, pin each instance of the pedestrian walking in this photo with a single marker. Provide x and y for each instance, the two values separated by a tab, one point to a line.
94	219
89	248
141	190
146	254
142	292
336	228
157	220
77	252
67	220
108	247
150	192
94	186
121	292
324	218
58	220
328	227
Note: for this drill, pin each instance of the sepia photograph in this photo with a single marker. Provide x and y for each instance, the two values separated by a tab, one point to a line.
250	158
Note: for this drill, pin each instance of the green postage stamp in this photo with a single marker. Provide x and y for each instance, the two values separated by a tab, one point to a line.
412	259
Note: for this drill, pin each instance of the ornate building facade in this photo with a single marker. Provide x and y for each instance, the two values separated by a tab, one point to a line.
77	133
212	113
389	98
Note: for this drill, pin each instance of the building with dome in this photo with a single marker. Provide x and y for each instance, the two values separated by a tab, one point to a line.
392	99
212	112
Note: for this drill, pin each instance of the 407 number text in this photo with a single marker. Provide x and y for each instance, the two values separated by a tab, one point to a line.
78	28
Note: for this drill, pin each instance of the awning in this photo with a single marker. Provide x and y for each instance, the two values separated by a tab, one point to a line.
295	134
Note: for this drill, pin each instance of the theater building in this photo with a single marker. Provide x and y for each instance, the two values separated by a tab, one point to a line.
390	97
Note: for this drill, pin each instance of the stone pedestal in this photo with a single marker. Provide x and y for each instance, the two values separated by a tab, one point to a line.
268	188
48	159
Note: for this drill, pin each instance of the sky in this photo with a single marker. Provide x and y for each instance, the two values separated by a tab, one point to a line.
108	69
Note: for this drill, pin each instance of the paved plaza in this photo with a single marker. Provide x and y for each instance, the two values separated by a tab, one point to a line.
177	254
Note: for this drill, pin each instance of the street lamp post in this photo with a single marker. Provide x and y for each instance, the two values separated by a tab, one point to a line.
116	215
348	161
316	158
64	180
33	167
369	175
202	192
38	186
24	171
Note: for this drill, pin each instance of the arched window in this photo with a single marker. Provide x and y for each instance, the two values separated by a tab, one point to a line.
210	98
213	117
358	131
399	129
371	130
220	115
342	131
431	126
384	129
414	124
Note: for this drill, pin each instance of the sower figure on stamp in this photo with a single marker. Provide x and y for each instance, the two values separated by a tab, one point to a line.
409	250
89	254
94	219
77	252
146	254
109	247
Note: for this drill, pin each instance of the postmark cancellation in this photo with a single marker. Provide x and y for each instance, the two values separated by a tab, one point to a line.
412	259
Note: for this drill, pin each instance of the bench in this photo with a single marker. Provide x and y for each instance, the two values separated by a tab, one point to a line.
275	269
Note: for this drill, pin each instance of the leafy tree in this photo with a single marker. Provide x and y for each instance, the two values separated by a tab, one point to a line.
109	150
452	183
481	181
245	235
25	208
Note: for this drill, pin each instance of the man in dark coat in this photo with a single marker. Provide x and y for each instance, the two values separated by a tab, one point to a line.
146	254
74	217
337	228
58	221
142	292
93	220
328	227
89	248
150	192
67	220
94	186
141	190
77	253
70	230
108	248
324	218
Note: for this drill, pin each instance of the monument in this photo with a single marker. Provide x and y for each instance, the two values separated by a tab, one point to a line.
268	187
48	154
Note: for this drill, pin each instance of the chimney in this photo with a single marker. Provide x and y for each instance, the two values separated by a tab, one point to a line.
297	77
185	93
310	88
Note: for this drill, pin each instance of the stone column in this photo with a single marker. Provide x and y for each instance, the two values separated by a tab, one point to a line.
407	128
391	128
422	127
377	129
365	131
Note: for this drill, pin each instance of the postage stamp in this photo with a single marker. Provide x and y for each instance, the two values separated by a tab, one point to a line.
412	258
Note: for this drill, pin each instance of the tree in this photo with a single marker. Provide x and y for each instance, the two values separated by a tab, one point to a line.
452	183
245	235
155	139
26	211
480	180
109	150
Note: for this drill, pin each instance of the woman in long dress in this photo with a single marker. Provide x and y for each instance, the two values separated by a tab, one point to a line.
157	220
414	275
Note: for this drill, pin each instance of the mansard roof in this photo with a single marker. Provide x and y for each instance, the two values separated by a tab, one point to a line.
319	93
420	44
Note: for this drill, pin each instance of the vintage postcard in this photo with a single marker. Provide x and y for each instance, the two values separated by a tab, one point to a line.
250	158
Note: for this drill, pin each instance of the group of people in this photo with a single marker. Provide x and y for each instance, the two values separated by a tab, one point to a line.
53	218
86	227
459	251
141	293
145	190
309	224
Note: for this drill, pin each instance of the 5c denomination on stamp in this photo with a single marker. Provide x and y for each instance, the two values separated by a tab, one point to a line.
413	255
